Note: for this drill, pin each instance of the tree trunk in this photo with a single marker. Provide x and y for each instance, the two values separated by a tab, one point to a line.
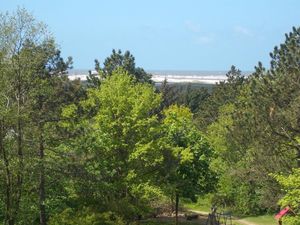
8	207
19	185
42	192
8	219
298	158
172	203
176	207
20	156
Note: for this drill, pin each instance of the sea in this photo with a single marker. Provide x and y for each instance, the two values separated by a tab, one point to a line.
172	76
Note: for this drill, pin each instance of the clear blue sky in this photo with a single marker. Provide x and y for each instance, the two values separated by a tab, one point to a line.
167	34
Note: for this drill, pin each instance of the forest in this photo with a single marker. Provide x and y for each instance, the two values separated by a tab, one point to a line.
118	149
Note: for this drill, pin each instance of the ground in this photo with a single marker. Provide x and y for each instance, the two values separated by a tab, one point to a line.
171	220
202	219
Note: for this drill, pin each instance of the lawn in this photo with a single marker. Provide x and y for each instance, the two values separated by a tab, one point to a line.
203	204
171	220
260	220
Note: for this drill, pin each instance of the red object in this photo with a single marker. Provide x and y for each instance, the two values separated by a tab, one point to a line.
282	213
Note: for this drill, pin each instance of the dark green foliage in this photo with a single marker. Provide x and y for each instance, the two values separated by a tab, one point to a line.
193	98
86	216
34	91
190	95
169	94
115	61
222	93
254	129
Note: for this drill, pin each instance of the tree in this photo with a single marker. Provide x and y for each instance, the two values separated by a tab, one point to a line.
192	97
223	93
47	99
290	184
261	129
15	32
283	77
243	185
115	149
169	94
118	60
188	156
33	73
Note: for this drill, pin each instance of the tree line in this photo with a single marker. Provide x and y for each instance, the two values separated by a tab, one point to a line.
119	149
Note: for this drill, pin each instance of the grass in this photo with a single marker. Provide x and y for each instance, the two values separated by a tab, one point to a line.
203	204
198	207
261	220
167	223
201	220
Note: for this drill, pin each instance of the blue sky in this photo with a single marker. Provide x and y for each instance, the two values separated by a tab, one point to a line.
167	34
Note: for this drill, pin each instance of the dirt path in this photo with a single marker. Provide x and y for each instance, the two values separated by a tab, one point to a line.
198	212
242	221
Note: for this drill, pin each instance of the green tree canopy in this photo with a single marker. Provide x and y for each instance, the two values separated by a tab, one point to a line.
116	148
189	156
115	61
291	187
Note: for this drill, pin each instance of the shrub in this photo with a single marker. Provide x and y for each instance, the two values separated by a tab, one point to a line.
85	216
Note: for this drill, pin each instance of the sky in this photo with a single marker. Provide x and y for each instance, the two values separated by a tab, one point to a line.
167	34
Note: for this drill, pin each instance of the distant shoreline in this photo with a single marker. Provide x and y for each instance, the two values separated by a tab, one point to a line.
172	76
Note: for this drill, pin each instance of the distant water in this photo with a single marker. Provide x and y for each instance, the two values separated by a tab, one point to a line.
172	76
181	76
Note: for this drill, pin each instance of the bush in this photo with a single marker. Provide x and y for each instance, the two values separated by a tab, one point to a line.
85	216
291	220
291	187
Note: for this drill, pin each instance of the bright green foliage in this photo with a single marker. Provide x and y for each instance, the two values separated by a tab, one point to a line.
190	155
218	132
187	156
217	135
234	189
130	158
116	149
291	188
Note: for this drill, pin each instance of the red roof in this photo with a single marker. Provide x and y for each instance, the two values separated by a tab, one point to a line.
282	213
